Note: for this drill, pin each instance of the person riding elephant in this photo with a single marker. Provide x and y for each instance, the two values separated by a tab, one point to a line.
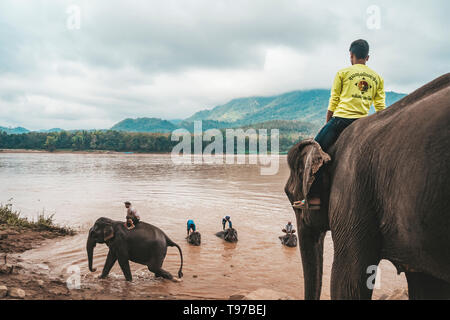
132	217
384	195
144	244
354	89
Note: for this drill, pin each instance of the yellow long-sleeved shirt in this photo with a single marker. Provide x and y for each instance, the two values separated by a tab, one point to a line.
354	90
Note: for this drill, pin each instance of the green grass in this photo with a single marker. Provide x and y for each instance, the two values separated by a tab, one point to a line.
12	218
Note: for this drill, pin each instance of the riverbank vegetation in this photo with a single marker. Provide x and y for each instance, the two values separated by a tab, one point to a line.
121	141
10	218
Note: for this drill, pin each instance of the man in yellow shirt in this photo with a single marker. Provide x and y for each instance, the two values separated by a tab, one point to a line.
354	90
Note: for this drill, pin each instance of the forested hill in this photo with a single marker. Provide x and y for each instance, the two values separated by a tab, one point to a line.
145	125
305	105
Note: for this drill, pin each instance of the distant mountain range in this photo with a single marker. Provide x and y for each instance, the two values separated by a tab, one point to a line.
306	108
17	130
307	105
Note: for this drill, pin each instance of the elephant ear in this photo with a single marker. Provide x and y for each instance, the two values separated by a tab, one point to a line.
108	232
314	160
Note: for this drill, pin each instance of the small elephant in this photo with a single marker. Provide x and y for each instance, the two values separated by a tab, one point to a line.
229	235
145	244
194	238
289	240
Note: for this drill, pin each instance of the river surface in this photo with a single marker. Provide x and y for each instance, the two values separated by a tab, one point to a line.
79	188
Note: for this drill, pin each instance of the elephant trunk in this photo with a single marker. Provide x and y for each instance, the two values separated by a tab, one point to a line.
90	250
311	250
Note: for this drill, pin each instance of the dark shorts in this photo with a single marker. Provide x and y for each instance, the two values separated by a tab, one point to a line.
191	226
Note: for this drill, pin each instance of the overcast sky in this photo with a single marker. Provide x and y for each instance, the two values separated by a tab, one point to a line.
169	59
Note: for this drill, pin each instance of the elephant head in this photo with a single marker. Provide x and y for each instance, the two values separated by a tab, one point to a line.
231	235
304	160
289	240
101	232
195	238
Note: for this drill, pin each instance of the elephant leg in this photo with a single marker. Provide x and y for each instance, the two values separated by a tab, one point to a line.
356	257
110	260
159	272
350	279
125	266
422	286
155	267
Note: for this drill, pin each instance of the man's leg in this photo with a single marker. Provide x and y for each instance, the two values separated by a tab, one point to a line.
326	137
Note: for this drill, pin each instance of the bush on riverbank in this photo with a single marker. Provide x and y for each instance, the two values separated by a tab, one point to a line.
12	218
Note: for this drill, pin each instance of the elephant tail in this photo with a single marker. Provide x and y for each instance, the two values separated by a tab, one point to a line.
170	243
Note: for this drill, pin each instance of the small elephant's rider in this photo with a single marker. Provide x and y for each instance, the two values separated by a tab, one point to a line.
190	226
132	217
289	228
225	220
354	90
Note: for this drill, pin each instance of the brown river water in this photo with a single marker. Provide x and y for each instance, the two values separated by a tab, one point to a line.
79	188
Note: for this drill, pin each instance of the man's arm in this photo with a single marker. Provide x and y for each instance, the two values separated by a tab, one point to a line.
335	96
379	101
329	115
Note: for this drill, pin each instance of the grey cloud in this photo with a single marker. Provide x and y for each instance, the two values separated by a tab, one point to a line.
172	58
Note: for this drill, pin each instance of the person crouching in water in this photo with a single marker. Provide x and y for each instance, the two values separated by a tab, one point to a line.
224	222
289	229
132	217
190	226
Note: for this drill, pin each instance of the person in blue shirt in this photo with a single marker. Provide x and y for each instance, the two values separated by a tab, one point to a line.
225	220
190	226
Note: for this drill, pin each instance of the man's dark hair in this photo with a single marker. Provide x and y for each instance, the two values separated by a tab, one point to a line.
360	48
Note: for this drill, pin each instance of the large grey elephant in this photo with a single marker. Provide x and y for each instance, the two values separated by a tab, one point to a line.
385	195
145	244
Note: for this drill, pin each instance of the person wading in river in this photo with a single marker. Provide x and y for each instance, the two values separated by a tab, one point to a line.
190	226
132	217
354	90
224	222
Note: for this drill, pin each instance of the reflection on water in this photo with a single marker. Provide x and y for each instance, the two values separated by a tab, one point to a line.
79	188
